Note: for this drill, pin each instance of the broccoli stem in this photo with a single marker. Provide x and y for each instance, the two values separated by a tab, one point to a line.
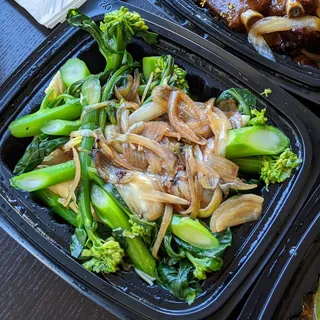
51	201
91	90
108	89
192	232
31	124
248	164
148	65
44	177
255	141
60	127
74	70
110	214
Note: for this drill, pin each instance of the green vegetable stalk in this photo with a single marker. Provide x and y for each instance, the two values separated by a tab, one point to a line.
31	124
255	141
40	147
165	72
101	255
44	177
74	70
112	215
51	201
192	232
60	127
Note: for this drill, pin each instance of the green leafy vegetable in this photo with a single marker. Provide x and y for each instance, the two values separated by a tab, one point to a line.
246	100
278	168
115	33
38	149
258	118
272	169
179	281
112	215
204	265
78	242
51	200
104	257
165	72
145	229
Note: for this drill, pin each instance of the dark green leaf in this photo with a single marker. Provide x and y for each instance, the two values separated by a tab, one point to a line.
78	241
149	37
246	100
179	281
38	149
120	236
169	248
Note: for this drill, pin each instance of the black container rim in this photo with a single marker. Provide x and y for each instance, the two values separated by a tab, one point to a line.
262	304
202	47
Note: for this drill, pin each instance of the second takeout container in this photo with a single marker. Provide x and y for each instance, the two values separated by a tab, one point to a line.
303	81
292	273
210	71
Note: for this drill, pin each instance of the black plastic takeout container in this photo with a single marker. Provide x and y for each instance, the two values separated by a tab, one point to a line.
210	70
303	81
292	273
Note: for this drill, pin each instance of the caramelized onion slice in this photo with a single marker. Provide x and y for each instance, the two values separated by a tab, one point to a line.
130	192
154	146
235	211
225	168
147	112
181	127
163	229
213	205
163	197
275	24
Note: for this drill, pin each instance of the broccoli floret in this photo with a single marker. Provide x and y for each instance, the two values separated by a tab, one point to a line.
278	168
145	230
258	118
204	265
266	92
115	32
169	73
105	256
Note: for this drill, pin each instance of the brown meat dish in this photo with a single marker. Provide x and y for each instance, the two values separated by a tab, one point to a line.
278	7
241	15
230	11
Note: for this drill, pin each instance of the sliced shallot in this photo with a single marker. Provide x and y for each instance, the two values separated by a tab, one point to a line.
163	229
235	211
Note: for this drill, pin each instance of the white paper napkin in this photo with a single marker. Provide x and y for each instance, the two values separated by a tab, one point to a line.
49	12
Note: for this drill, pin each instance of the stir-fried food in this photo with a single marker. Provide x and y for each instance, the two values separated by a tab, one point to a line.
290	27
129	151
